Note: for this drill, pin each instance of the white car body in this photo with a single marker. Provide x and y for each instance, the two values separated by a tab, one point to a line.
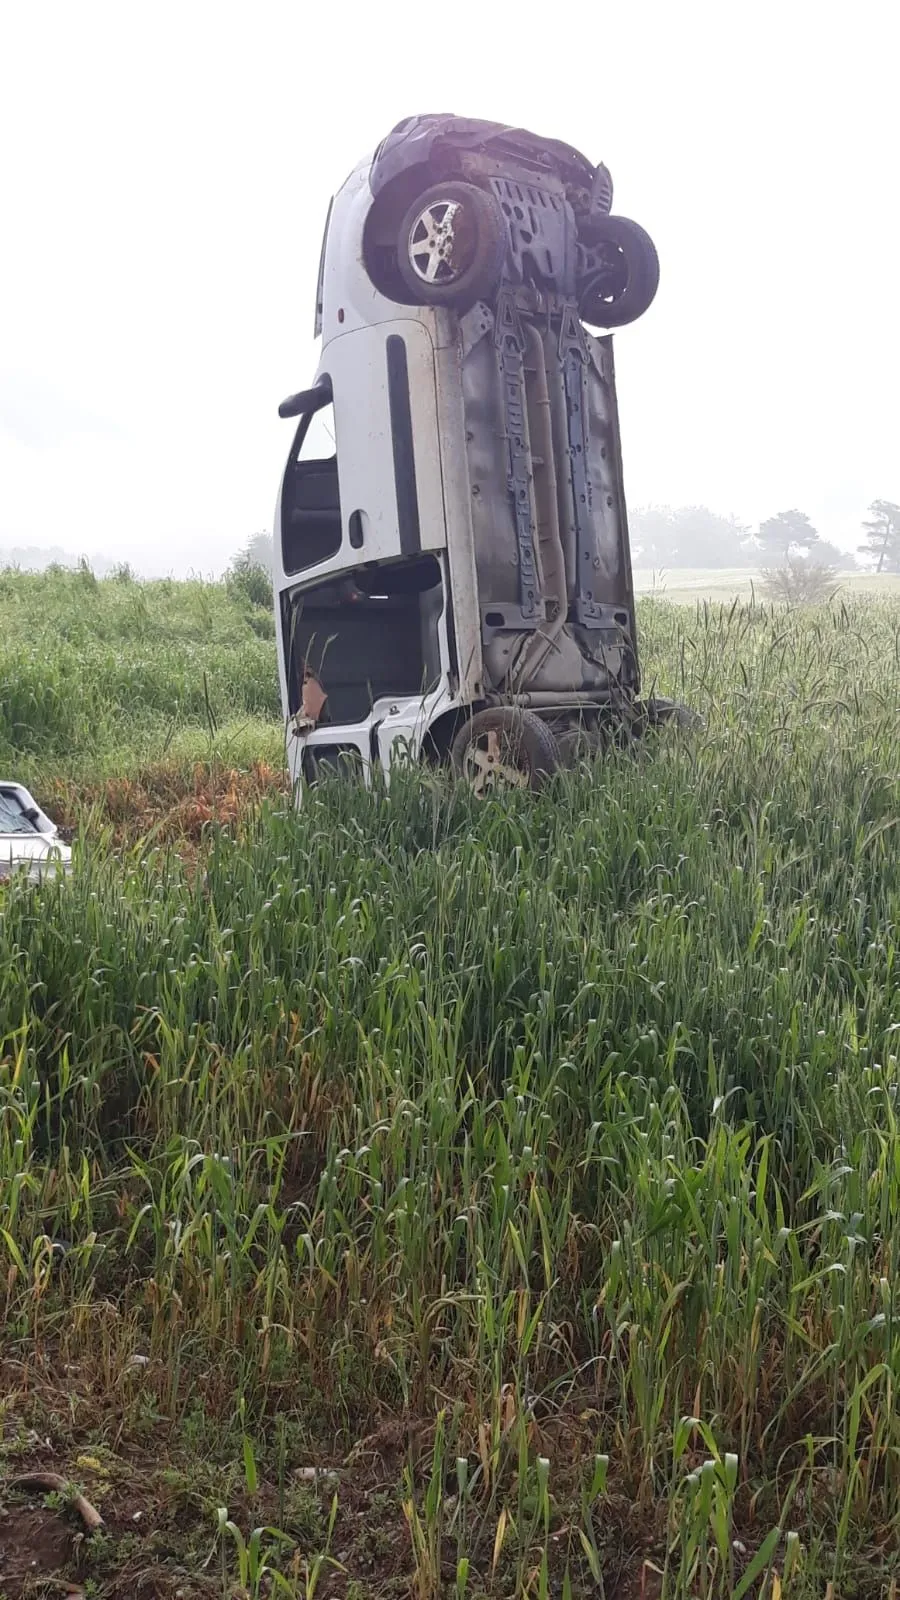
418	484
356	323
29	841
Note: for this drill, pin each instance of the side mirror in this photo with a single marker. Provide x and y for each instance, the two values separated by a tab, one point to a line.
307	401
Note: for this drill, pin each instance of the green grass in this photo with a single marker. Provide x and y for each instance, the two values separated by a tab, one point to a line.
559	1134
102	677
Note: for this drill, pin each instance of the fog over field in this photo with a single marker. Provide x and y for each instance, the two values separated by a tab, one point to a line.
165	208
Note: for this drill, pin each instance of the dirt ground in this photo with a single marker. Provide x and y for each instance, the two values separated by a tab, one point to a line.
175	1506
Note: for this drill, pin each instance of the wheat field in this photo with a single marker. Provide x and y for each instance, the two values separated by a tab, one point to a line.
412	1196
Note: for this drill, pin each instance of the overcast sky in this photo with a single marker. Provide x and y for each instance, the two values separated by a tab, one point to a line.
166	170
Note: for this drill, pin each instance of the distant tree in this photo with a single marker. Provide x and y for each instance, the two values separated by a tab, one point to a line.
690	536
259	548
652	540
787	529
831	555
883	536
801	581
250	571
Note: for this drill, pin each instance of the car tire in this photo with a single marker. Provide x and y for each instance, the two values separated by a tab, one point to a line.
451	246
504	748
578	745
660	711
624	277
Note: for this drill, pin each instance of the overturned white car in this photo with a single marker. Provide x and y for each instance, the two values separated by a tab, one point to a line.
452	571
29	841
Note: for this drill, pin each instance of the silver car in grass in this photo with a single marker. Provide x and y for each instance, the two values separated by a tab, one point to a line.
30	842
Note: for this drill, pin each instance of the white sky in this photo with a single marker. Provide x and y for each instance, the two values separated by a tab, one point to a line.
164	179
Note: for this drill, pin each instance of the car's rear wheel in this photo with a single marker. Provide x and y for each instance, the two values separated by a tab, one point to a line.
504	748
451	245
624	274
659	711
577	745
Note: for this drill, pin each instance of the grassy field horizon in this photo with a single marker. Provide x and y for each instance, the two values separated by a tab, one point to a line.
722	585
408	1196
103	678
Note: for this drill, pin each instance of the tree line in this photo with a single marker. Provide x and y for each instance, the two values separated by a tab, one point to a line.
694	536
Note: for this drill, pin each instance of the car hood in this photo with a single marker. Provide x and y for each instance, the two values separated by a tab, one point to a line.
413	139
32	850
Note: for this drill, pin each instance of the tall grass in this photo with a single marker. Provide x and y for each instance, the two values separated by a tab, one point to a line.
566	1125
97	676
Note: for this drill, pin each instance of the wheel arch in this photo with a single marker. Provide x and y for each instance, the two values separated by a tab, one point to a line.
440	734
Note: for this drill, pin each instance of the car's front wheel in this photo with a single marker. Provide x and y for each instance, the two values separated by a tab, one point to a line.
451	246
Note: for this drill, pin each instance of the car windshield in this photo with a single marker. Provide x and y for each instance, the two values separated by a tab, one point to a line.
12	818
